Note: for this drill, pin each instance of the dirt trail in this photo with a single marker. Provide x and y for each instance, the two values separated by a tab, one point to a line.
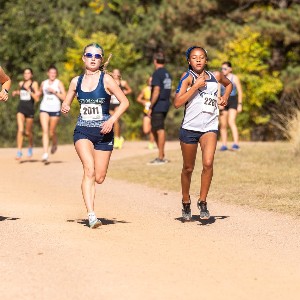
142	251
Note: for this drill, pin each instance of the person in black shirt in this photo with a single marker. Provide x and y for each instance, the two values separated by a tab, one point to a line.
160	103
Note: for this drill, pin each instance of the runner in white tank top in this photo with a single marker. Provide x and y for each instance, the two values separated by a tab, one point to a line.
53	94
198	91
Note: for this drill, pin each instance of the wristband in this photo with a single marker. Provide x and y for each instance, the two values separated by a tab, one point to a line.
6	91
240	103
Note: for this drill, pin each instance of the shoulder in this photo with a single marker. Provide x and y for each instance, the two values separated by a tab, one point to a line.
216	74
123	82
21	83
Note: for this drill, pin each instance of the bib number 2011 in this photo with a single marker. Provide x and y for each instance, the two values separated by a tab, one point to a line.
91	112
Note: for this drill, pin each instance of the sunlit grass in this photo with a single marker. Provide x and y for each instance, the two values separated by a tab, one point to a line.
261	175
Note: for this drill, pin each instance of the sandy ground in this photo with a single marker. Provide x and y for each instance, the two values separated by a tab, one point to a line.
142	251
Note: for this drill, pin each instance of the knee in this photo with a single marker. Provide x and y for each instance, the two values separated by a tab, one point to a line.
100	178
51	133
20	131
231	123
27	132
223	126
207	165
187	169
89	173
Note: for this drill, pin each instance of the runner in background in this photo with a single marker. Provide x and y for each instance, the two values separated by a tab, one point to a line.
160	103
114	104
29	94
144	98
229	113
6	83
198	93
54	93
93	134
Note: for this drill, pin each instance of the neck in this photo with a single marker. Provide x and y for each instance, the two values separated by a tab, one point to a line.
89	72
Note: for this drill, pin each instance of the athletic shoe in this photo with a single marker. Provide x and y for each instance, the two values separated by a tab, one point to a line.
45	157
121	142
150	146
204	213
29	152
223	148
53	149
157	161
93	221
186	211
19	155
235	147
117	143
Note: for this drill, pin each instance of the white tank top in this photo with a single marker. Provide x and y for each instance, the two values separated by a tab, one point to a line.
50	102
201	111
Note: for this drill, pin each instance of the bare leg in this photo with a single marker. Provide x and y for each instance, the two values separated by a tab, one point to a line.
146	125
85	151
232	113
20	121
161	140
189	152
44	119
223	126
101	164
52	132
208	143
28	131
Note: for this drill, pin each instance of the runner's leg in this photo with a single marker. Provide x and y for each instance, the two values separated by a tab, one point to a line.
44	119
232	113
20	122
223	126
28	131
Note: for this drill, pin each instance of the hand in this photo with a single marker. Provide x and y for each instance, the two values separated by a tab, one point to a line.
149	112
14	93
239	108
200	82
51	90
107	126
222	101
65	108
3	96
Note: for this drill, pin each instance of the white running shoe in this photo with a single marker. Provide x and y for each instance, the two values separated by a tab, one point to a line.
93	221
45	157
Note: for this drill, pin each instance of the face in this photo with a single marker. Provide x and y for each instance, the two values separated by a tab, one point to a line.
197	59
27	75
92	58
52	74
226	70
116	74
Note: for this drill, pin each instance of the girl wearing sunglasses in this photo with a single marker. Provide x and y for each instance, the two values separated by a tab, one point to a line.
93	134
230	111
198	93
6	83
29	94
54	93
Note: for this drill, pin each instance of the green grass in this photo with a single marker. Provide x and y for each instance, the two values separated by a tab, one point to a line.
261	175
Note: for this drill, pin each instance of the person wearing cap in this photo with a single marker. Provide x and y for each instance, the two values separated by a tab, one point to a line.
6	83
198	92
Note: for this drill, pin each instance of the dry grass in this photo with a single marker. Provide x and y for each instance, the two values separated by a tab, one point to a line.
261	175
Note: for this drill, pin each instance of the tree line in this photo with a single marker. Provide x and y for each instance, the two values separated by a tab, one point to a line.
260	38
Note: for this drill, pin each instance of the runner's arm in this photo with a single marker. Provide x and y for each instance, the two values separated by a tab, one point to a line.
6	83
240	92
228	87
62	92
140	97
127	89
66	105
182	93
35	94
114	89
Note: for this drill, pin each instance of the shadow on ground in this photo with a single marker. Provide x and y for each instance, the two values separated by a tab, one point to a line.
196	218
8	219
104	221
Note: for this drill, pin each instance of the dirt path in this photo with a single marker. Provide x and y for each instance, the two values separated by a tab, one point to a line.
142	251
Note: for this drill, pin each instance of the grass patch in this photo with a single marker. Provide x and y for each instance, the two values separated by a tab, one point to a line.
261	175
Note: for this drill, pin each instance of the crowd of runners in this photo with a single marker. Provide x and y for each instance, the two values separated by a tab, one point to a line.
103	99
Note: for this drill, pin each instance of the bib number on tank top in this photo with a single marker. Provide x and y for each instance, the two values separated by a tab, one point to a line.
24	95
91	112
114	100
147	106
209	104
50	97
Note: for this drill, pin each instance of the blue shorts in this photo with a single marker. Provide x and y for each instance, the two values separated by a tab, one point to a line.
104	142
51	113
191	136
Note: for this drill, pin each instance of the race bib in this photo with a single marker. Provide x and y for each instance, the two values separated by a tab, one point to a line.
147	106
50	97
24	95
209	104
91	112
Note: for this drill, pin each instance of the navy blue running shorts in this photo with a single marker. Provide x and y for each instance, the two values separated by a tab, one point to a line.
104	142
232	103
51	113
191	136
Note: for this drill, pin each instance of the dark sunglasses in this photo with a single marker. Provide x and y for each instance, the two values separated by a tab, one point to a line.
90	55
